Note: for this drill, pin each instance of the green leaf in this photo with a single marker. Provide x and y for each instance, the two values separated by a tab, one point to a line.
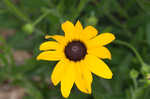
148	33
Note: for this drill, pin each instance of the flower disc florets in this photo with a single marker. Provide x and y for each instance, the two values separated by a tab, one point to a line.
75	50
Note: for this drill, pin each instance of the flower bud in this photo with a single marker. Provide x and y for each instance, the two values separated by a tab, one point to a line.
134	74
145	68
29	28
92	20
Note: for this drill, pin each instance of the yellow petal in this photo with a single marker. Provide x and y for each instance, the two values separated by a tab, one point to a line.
102	39
78	30
89	32
50	56
69	29
78	26
101	52
58	72
49	45
98	67
83	78
68	80
58	38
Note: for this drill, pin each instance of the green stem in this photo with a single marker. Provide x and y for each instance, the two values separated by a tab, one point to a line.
132	48
15	10
135	83
41	18
132	93
113	19
79	8
140	3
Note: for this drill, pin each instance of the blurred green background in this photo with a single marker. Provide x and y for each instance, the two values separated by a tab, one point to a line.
23	24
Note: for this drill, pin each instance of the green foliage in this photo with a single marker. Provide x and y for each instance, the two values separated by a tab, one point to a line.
129	20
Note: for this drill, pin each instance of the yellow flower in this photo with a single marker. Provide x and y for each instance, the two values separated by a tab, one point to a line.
79	53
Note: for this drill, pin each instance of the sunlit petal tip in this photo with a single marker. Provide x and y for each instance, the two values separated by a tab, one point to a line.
68	29
110	57
48	37
54	83
78	30
78	23
65	95
110	36
38	57
110	76
66	23
113	36
88	91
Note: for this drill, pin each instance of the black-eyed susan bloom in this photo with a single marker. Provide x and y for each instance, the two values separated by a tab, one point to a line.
79	53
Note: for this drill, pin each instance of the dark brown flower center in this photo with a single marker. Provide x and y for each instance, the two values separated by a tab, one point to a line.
75	50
